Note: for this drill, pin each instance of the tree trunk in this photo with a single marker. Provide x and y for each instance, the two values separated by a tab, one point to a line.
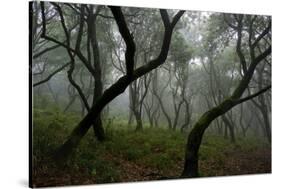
230	127
267	128
98	129
177	113
149	114
131	118
77	134
97	126
187	116
139	121
262	107
220	129
155	118
164	111
195	137
72	100
150	119
225	132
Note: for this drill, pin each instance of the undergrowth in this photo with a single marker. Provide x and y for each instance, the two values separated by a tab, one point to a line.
158	149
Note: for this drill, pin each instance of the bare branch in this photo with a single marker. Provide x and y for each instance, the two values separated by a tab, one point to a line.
253	95
51	75
264	33
46	50
41	70
228	22
67	47
177	17
165	18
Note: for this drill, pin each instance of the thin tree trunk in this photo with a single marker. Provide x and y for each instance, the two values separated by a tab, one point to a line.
230	128
97	126
165	113
139	121
131	118
267	124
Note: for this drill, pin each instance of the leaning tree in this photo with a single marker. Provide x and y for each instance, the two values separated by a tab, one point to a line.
123	82
256	31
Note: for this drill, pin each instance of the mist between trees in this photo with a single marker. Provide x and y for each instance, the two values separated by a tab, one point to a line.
101	70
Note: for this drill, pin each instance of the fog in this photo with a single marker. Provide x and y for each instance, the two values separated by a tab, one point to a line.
139	69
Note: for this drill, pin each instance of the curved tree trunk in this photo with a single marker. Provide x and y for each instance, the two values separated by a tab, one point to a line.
195	137
119	86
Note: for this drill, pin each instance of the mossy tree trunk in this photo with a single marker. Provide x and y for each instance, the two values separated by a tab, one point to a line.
196	134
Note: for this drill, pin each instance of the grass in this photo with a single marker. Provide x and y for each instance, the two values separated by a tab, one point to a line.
153	149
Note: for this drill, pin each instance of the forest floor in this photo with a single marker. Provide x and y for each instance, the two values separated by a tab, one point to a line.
238	163
128	156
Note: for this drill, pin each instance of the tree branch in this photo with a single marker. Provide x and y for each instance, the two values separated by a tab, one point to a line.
251	34
51	75
44	36
253	95
177	17
265	32
109	94
45	51
41	70
263	55
71	55
165	18
228	23
128	38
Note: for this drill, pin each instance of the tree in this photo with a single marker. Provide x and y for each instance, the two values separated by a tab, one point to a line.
159	97
248	68
261	104
119	86
180	56
150	104
92	62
